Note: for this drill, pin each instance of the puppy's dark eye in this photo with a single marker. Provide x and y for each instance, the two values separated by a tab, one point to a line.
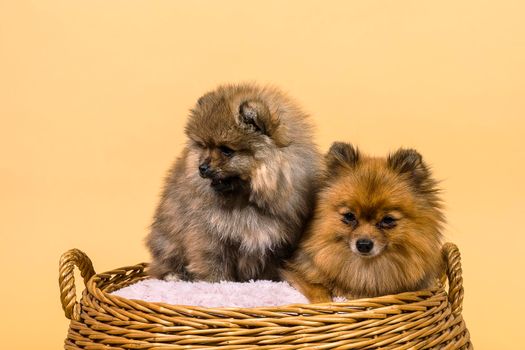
226	151
387	222
349	218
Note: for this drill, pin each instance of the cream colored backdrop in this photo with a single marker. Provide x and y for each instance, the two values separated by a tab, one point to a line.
94	96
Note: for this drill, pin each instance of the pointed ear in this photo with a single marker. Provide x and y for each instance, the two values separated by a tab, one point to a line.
410	162
341	154
255	116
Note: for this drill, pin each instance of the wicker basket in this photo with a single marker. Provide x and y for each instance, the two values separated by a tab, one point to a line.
427	319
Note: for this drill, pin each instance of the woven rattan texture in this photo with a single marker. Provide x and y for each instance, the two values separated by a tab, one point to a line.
428	319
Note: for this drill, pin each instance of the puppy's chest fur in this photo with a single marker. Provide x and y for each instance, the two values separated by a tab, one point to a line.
245	243
252	231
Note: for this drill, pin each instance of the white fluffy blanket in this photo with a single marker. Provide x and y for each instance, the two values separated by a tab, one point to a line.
223	294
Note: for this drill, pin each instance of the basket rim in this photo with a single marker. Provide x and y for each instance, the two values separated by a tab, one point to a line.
379	309
131	274
353	303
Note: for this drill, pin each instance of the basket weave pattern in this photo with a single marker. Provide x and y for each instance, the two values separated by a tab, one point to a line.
427	319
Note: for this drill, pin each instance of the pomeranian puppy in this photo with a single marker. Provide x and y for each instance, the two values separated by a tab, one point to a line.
376	229
236	200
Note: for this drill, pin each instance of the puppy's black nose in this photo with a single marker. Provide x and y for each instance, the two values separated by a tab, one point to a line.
364	245
204	169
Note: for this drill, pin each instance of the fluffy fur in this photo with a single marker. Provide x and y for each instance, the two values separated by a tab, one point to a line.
236	200
391	202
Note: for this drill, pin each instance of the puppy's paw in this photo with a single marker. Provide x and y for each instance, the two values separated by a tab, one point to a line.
171	277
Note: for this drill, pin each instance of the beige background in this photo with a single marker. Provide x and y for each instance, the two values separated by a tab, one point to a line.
94	96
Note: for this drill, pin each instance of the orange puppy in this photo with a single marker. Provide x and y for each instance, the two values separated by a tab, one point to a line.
376	228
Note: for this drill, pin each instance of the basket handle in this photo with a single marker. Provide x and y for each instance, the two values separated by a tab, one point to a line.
66	280
454	274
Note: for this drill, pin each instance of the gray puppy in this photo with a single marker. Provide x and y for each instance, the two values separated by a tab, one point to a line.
237	199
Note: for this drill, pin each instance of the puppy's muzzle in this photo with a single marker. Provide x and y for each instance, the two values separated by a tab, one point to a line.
364	245
205	171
